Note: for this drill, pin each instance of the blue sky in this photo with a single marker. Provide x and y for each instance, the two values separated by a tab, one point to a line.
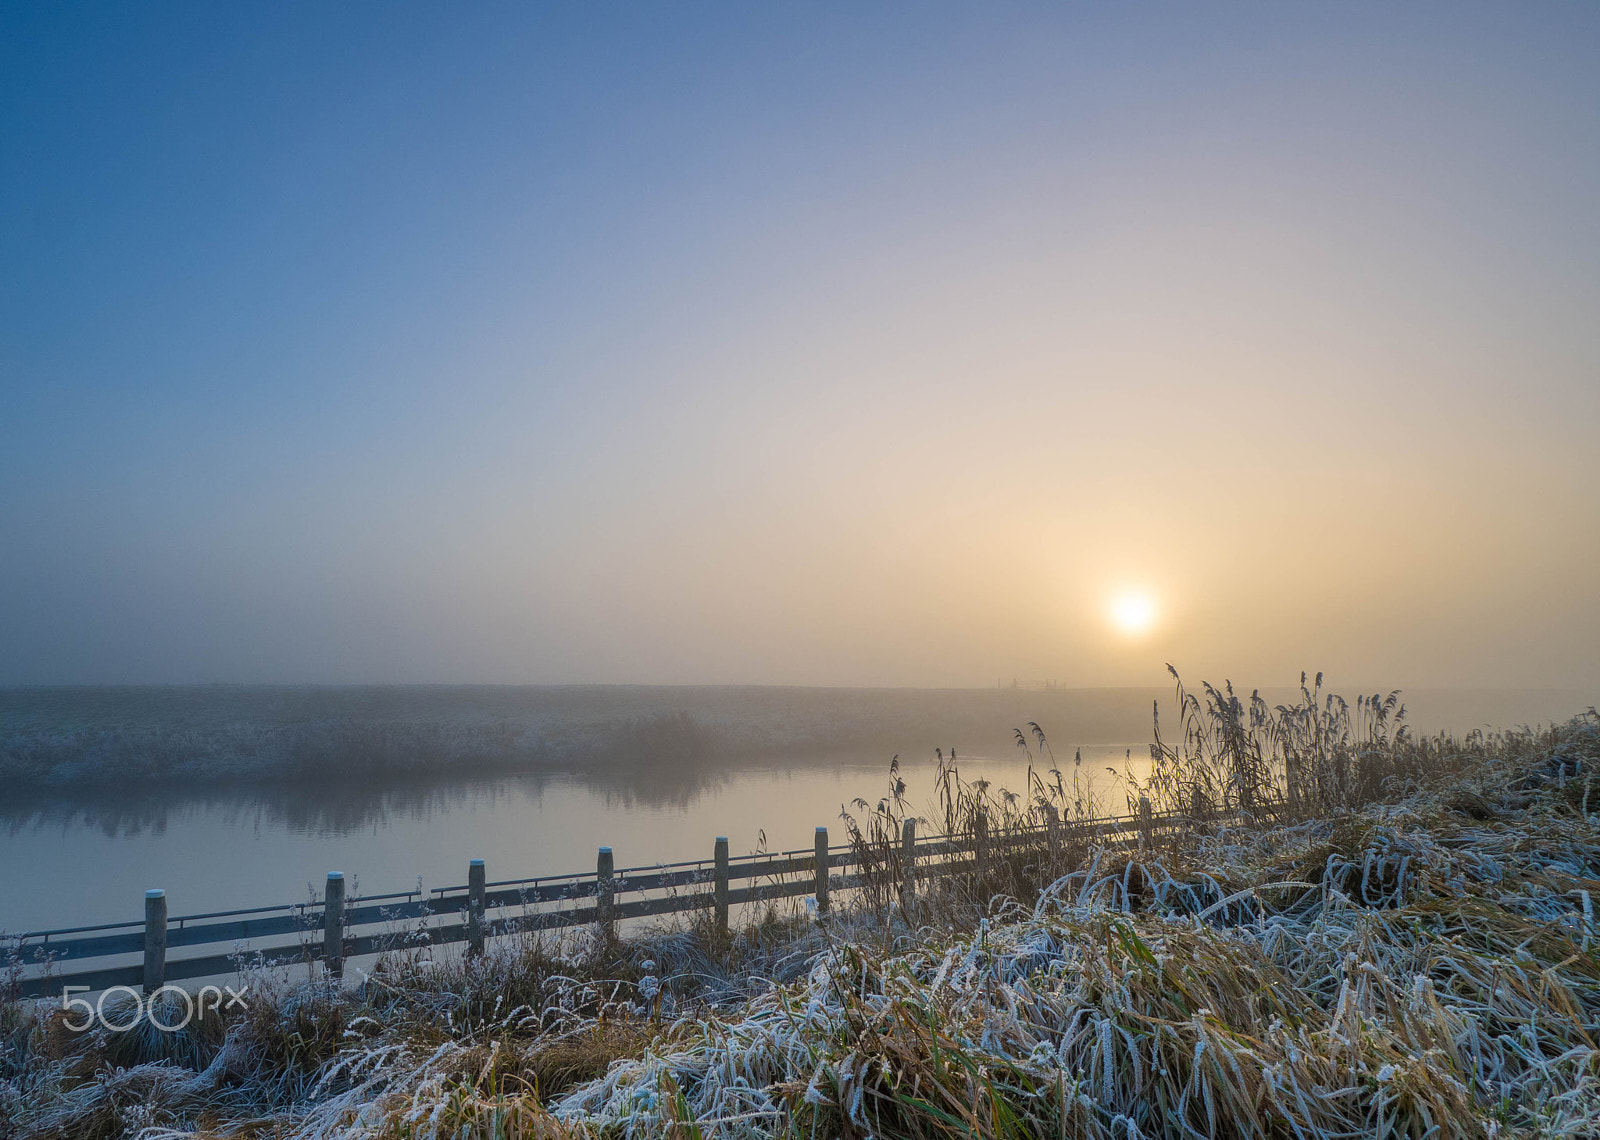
815	344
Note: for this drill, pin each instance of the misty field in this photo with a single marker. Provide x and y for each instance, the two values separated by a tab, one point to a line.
1348	931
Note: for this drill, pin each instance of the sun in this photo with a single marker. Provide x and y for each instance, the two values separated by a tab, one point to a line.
1133	613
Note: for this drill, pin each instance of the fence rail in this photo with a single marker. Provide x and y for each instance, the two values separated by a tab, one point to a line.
324	930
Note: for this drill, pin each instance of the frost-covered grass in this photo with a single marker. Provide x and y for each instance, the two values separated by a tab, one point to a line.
1420	963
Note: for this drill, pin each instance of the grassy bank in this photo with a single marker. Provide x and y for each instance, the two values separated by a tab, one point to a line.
1398	938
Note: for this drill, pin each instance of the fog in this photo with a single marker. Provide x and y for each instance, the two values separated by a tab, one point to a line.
800	347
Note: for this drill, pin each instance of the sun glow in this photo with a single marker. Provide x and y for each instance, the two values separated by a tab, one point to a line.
1133	613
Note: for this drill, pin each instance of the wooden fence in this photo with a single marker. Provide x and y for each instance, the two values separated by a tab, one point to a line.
325	930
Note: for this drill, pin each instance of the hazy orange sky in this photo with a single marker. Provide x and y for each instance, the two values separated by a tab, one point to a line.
822	345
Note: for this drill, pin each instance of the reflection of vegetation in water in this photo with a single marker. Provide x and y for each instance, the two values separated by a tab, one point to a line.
1419	966
341	807
67	737
83	737
328	809
207	744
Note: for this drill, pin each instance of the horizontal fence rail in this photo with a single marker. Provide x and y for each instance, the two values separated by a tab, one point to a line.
323	930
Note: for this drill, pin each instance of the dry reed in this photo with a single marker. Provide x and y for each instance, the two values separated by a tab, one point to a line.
1352	933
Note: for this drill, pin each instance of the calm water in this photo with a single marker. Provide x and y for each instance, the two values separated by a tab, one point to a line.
91	862
425	783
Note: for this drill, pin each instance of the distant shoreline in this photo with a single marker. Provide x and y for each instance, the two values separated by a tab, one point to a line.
54	739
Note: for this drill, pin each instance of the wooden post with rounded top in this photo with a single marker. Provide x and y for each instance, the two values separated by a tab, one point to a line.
908	870
155	940
980	853
605	898
719	887
822	871
476	876
333	925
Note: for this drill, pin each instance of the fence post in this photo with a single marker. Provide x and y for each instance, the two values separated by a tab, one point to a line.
980	849
605	898
719	889
155	940
908	869
333	925
1146	824
476	876
822	871
1291	776
1052	832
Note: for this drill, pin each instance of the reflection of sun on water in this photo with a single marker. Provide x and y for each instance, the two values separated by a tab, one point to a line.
1133	613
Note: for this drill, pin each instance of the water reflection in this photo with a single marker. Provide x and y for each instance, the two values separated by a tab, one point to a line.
761	767
344	807
98	738
89	859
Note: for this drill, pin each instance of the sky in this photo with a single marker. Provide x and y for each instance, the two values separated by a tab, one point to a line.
800	344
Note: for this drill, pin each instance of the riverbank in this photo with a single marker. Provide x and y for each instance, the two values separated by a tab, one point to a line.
1413	949
189	739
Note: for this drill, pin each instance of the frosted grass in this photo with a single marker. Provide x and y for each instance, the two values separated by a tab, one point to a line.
1422	966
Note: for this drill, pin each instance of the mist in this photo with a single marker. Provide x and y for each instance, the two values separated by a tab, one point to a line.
800	347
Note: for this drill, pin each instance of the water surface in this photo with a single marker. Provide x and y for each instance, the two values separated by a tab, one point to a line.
233	797
91	861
